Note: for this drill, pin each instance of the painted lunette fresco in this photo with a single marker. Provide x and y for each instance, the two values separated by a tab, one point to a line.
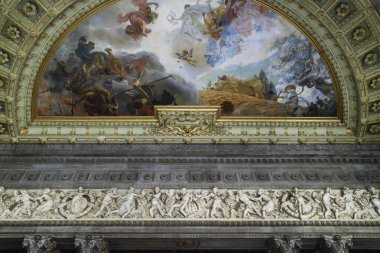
237	54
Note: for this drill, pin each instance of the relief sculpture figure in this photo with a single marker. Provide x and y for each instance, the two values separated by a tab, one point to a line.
25	203
129	202
348	201
184	201
156	203
107	201
266	203
250	205
46	202
327	199
375	199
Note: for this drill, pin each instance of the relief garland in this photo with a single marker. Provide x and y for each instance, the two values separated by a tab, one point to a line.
114	204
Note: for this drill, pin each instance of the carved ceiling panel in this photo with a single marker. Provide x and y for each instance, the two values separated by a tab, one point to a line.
346	32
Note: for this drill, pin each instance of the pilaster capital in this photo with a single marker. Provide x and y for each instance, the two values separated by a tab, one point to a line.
91	244
34	244
284	244
337	243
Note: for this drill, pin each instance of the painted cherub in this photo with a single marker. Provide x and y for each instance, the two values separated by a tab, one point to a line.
187	56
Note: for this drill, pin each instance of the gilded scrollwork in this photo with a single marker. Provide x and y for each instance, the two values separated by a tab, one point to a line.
115	204
177	122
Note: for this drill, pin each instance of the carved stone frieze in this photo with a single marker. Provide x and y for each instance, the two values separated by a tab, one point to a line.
117	204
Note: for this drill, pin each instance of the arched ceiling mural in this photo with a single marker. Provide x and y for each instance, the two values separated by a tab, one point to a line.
241	56
345	35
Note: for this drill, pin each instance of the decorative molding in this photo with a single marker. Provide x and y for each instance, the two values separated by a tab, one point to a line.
283	206
194	175
193	166
164	223
198	160
180	124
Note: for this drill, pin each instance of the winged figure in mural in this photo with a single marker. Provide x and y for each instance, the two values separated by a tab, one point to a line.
187	55
139	19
